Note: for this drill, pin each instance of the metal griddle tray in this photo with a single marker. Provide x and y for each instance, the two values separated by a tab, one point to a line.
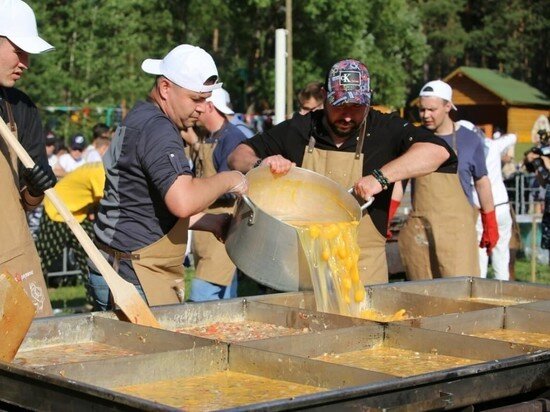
513	318
383	300
505	369
85	386
488	291
541	305
396	336
175	317
68	339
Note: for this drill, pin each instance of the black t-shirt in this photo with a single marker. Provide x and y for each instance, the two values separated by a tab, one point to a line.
29	126
387	137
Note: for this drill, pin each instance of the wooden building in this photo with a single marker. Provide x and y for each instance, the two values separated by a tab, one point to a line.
491	99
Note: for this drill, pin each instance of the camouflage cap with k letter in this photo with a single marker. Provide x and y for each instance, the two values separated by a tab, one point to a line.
348	82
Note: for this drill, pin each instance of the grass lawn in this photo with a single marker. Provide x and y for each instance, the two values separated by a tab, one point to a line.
72	299
520	149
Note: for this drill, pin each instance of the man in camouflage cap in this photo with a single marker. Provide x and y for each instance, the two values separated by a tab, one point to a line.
357	147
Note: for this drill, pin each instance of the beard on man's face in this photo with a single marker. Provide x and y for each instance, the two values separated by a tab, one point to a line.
347	132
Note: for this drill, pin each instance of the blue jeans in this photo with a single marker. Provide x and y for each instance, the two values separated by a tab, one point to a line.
100	293
202	291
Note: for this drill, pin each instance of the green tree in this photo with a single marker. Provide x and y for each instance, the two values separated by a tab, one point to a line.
447	38
99	48
512	37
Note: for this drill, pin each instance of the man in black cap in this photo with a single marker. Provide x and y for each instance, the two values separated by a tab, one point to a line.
355	146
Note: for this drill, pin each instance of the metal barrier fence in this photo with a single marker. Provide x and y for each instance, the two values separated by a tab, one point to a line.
525	194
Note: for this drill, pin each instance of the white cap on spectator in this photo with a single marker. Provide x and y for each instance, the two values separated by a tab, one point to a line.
438	88
220	99
187	66
18	24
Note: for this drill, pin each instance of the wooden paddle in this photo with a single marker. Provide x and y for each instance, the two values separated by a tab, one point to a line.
16	315
124	293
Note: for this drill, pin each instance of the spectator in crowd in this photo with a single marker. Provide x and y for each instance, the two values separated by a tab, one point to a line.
60	148
91	153
215	276
500	257
151	197
51	141
80	190
439	238
507	158
70	161
356	146
538	161
22	189
310	98
246	129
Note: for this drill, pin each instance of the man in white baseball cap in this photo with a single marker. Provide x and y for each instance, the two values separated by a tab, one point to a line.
19	38
187	66
445	213
438	88
151	196
18	24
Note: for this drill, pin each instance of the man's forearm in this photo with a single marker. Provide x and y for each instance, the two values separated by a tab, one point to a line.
485	194
419	160
243	158
30	202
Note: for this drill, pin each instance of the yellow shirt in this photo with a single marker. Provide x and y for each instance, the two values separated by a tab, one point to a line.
79	189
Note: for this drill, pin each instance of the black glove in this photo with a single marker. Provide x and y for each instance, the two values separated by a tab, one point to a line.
38	180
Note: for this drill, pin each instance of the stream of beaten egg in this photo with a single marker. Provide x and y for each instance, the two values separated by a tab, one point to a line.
333	254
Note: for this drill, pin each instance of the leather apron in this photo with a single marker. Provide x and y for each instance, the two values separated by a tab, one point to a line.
159	266
346	169
439	238
212	263
18	254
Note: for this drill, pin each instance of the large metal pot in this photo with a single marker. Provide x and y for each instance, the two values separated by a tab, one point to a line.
261	242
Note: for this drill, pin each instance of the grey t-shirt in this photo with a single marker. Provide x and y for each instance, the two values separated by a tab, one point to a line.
471	158
145	158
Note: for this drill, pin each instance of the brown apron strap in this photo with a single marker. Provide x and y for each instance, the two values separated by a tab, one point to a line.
311	144
362	132
9	111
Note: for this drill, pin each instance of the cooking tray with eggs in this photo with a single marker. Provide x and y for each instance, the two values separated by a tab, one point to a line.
81	338
487	291
445	368
237	320
208	378
382	304
513	324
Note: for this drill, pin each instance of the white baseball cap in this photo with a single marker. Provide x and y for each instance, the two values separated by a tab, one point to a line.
220	99
438	88
18	24
187	66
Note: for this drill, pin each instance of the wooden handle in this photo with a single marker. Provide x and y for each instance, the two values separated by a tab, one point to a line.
124	293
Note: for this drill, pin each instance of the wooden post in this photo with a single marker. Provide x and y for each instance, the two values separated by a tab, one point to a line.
534	249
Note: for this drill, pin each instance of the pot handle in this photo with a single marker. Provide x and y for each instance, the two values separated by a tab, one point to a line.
364	205
252	218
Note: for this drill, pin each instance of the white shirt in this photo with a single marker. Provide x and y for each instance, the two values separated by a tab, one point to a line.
68	163
493	149
52	160
92	155
494	166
